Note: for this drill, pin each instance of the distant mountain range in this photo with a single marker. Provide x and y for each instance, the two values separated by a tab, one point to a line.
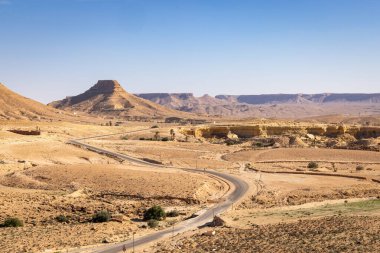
108	99
270	105
303	98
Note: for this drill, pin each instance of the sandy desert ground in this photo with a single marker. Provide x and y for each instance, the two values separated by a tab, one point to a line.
42	177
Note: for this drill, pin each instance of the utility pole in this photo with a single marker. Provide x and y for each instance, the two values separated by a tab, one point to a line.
213	217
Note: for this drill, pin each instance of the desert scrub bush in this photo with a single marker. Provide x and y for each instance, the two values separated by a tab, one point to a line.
12	222
124	138
154	213
359	167
312	165
164	139
101	216
173	213
155	126
153	223
62	218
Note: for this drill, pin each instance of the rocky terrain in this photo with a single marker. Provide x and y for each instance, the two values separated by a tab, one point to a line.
330	234
288	134
271	105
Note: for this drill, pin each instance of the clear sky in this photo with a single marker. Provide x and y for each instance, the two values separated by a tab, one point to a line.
53	48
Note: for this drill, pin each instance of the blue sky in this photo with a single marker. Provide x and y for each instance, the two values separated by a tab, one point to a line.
53	48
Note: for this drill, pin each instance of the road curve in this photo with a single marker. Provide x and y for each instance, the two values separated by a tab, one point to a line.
240	187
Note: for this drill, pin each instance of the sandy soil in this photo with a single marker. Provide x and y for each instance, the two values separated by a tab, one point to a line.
42	177
181	154
286	189
38	195
305	154
330	234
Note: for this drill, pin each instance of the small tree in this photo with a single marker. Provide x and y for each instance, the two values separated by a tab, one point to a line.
172	134
157	136
13	222
101	216
155	213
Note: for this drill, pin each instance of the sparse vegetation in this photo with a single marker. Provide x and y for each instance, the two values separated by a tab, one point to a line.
172	134
13	222
62	219
153	223
101	216
173	213
359	168
164	139
156	136
155	126
312	165
124	138
155	213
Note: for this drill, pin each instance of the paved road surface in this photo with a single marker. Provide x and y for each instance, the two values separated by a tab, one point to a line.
240	187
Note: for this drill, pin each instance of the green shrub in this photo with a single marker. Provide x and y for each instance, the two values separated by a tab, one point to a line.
173	213
165	139
62	218
154	213
153	223
102	216
312	165
155	126
13	222
359	167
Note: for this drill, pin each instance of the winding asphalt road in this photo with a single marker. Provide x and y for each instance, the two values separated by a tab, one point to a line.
240	187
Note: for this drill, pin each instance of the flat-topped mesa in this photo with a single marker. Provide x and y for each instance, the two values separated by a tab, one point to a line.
106	87
108	98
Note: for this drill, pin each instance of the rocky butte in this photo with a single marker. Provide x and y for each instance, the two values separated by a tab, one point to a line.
109	98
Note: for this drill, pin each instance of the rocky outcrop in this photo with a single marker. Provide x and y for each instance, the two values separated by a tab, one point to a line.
108	98
249	131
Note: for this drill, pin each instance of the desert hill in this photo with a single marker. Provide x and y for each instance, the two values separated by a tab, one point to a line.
15	106
271	105
108	98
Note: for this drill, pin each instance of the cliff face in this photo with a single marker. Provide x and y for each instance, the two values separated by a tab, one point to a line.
249	131
108	98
